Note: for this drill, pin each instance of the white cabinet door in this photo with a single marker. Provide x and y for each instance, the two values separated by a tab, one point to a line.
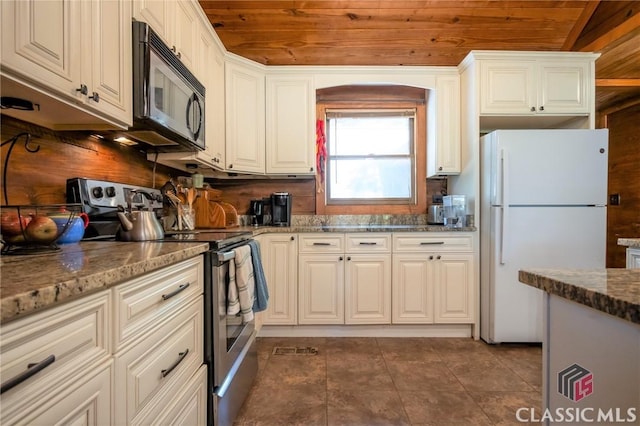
107	58
159	14
290	132
453	289
186	35
443	150
563	88
412	289
321	289
508	87
280	262
245	118
368	289
213	70
41	42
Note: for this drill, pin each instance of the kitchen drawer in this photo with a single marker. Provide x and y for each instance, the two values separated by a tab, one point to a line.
82	397
167	357
72	336
186	405
374	242
142	303
430	241
321	243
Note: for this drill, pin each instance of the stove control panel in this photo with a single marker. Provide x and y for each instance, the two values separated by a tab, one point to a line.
98	196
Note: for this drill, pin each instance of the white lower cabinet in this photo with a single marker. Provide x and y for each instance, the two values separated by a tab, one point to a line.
433	279
132	354
55	358
339	285
280	263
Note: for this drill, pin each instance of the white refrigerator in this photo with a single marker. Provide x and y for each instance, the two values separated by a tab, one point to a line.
543	203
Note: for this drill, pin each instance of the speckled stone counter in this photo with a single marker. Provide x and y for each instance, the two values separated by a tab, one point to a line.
34	282
612	291
629	242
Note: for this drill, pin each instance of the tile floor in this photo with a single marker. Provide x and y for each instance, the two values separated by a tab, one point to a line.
393	381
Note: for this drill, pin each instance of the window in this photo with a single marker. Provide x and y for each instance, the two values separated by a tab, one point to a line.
371	156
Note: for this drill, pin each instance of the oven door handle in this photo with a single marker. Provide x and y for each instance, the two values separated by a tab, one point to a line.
225	256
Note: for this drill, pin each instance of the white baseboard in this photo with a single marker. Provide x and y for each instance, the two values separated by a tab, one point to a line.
431	330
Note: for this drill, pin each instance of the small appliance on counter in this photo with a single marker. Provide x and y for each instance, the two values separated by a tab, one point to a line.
455	211
256	210
281	209
435	214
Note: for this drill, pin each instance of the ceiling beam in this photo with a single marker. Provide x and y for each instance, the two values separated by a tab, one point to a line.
622	23
618	82
581	22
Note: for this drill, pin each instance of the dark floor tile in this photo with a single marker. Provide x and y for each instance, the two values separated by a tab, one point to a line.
453	350
421	375
357	371
525	361
294	370
437	408
407	349
502	407
365	408
487	375
352	346
302	405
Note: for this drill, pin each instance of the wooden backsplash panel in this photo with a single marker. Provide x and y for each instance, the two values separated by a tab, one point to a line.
40	178
624	179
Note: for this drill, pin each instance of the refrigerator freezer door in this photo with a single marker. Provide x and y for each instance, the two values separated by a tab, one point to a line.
534	237
548	167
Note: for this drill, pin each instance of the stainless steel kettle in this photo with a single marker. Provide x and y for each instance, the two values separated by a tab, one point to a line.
138	225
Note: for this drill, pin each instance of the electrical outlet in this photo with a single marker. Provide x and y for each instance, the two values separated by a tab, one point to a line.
614	199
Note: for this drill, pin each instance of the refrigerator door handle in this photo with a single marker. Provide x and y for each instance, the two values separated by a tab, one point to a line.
504	187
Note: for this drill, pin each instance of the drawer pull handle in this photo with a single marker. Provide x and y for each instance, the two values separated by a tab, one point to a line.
431	243
321	244
364	243
175	292
181	356
31	370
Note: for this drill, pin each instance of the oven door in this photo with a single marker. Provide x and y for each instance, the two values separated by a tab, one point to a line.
229	335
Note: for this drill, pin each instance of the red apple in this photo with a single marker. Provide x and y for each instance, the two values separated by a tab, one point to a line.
42	229
13	224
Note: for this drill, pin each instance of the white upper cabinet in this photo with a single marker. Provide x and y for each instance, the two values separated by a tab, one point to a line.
72	58
107	57
213	70
443	140
245	116
536	86
290	125
159	14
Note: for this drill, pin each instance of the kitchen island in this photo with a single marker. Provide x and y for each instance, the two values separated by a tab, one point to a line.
591	345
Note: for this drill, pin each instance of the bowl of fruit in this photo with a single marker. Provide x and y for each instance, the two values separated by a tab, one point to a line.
30	229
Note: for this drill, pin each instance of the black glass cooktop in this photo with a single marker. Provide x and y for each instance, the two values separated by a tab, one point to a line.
217	239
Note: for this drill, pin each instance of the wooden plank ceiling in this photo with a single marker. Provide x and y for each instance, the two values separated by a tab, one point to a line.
432	32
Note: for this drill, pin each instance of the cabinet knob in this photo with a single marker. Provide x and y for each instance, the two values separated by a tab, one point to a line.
541	108
340	258
440	168
179	55
231	166
439	257
293	238
533	109
430	257
310	169
95	97
83	89
348	257
173	49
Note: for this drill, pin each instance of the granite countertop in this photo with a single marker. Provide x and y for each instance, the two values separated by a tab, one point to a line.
257	230
613	291
30	283
629	242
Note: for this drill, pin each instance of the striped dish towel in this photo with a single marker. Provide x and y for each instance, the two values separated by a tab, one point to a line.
241	284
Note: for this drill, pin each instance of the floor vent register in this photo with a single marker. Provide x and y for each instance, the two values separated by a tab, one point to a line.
294	350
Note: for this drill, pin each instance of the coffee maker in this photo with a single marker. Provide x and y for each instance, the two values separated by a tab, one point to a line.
281	209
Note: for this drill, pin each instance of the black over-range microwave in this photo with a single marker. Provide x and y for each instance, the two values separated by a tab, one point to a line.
168	101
